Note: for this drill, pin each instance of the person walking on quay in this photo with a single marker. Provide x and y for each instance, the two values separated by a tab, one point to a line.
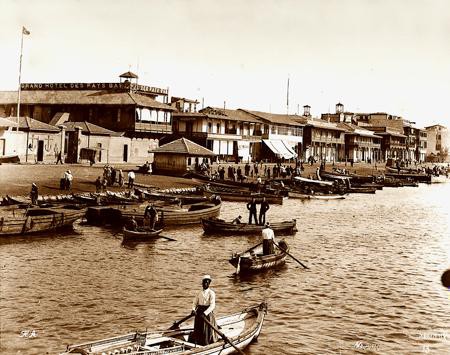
268	239
121	178
34	194
262	211
151	215
251	206
222	173
98	184
113	176
131	177
203	306
59	158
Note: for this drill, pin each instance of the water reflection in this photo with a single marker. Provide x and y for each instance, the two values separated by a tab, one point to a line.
375	267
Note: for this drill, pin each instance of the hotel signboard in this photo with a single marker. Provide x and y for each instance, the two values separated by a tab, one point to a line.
95	86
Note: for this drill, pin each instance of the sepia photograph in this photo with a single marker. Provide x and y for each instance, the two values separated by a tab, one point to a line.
213	177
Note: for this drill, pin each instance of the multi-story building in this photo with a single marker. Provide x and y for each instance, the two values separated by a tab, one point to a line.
438	143
411	141
230	134
282	135
121	107
422	142
361	145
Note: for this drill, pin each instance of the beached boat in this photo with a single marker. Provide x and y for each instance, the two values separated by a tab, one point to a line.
141	234
240	329
243	196
186	214
313	182
303	196
253	259
219	226
33	220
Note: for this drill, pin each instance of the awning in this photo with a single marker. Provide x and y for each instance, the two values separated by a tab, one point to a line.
280	148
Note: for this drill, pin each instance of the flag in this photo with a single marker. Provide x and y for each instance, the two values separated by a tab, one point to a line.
25	31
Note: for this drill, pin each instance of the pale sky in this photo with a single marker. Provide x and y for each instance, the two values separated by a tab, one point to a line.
391	56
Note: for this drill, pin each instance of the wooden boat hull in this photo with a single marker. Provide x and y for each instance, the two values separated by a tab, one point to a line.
240	328
241	196
414	177
177	216
253	260
39	220
216	226
301	196
129	235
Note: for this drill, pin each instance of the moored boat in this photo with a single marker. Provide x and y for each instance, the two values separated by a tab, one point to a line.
141	234
184	215
253	259
239	328
218	226
304	196
33	220
243	196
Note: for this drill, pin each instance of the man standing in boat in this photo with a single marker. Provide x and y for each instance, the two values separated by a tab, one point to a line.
251	206
262	211
34	194
268	239
203	306
152	215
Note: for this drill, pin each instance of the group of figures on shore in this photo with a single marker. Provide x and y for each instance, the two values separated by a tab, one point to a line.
112	176
257	170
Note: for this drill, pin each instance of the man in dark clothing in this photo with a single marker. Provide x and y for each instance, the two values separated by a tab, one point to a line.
247	169
34	194
222	173
151	213
251	206
262	211
98	184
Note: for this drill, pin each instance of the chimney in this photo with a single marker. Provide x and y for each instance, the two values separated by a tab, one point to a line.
224	105
339	108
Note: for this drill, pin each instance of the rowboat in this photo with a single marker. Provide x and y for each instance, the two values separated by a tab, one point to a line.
243	196
253	259
186	214
33	220
218	226
313	182
239	328
302	196
140	234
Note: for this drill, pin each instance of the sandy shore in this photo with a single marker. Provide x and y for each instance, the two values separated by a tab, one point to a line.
16	179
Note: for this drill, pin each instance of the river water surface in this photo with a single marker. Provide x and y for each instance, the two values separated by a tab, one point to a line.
373	285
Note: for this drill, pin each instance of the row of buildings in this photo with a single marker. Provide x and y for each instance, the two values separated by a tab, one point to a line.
124	122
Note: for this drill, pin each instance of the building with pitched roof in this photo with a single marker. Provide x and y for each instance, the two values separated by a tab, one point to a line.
30	140
179	157
121	106
361	145
232	135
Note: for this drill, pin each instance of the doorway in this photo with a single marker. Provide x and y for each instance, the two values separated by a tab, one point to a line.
125	152
40	151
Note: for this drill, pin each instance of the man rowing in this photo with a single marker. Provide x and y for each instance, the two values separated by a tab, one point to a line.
203	306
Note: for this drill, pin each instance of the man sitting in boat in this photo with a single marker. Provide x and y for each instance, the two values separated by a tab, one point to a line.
203	306
132	224
268	239
237	220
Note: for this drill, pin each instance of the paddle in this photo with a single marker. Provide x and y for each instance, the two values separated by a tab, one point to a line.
293	257
223	336
168	238
176	324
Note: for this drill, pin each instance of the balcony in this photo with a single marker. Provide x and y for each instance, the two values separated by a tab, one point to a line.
153	127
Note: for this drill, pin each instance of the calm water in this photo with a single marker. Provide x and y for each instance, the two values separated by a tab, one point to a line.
373	285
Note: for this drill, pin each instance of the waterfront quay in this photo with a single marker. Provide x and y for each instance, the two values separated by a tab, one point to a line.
372	283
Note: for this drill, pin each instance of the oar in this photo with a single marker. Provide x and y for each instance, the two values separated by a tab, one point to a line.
224	337
168	238
176	324
293	257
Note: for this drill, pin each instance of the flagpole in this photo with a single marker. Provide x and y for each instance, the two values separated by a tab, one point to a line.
287	97
20	73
